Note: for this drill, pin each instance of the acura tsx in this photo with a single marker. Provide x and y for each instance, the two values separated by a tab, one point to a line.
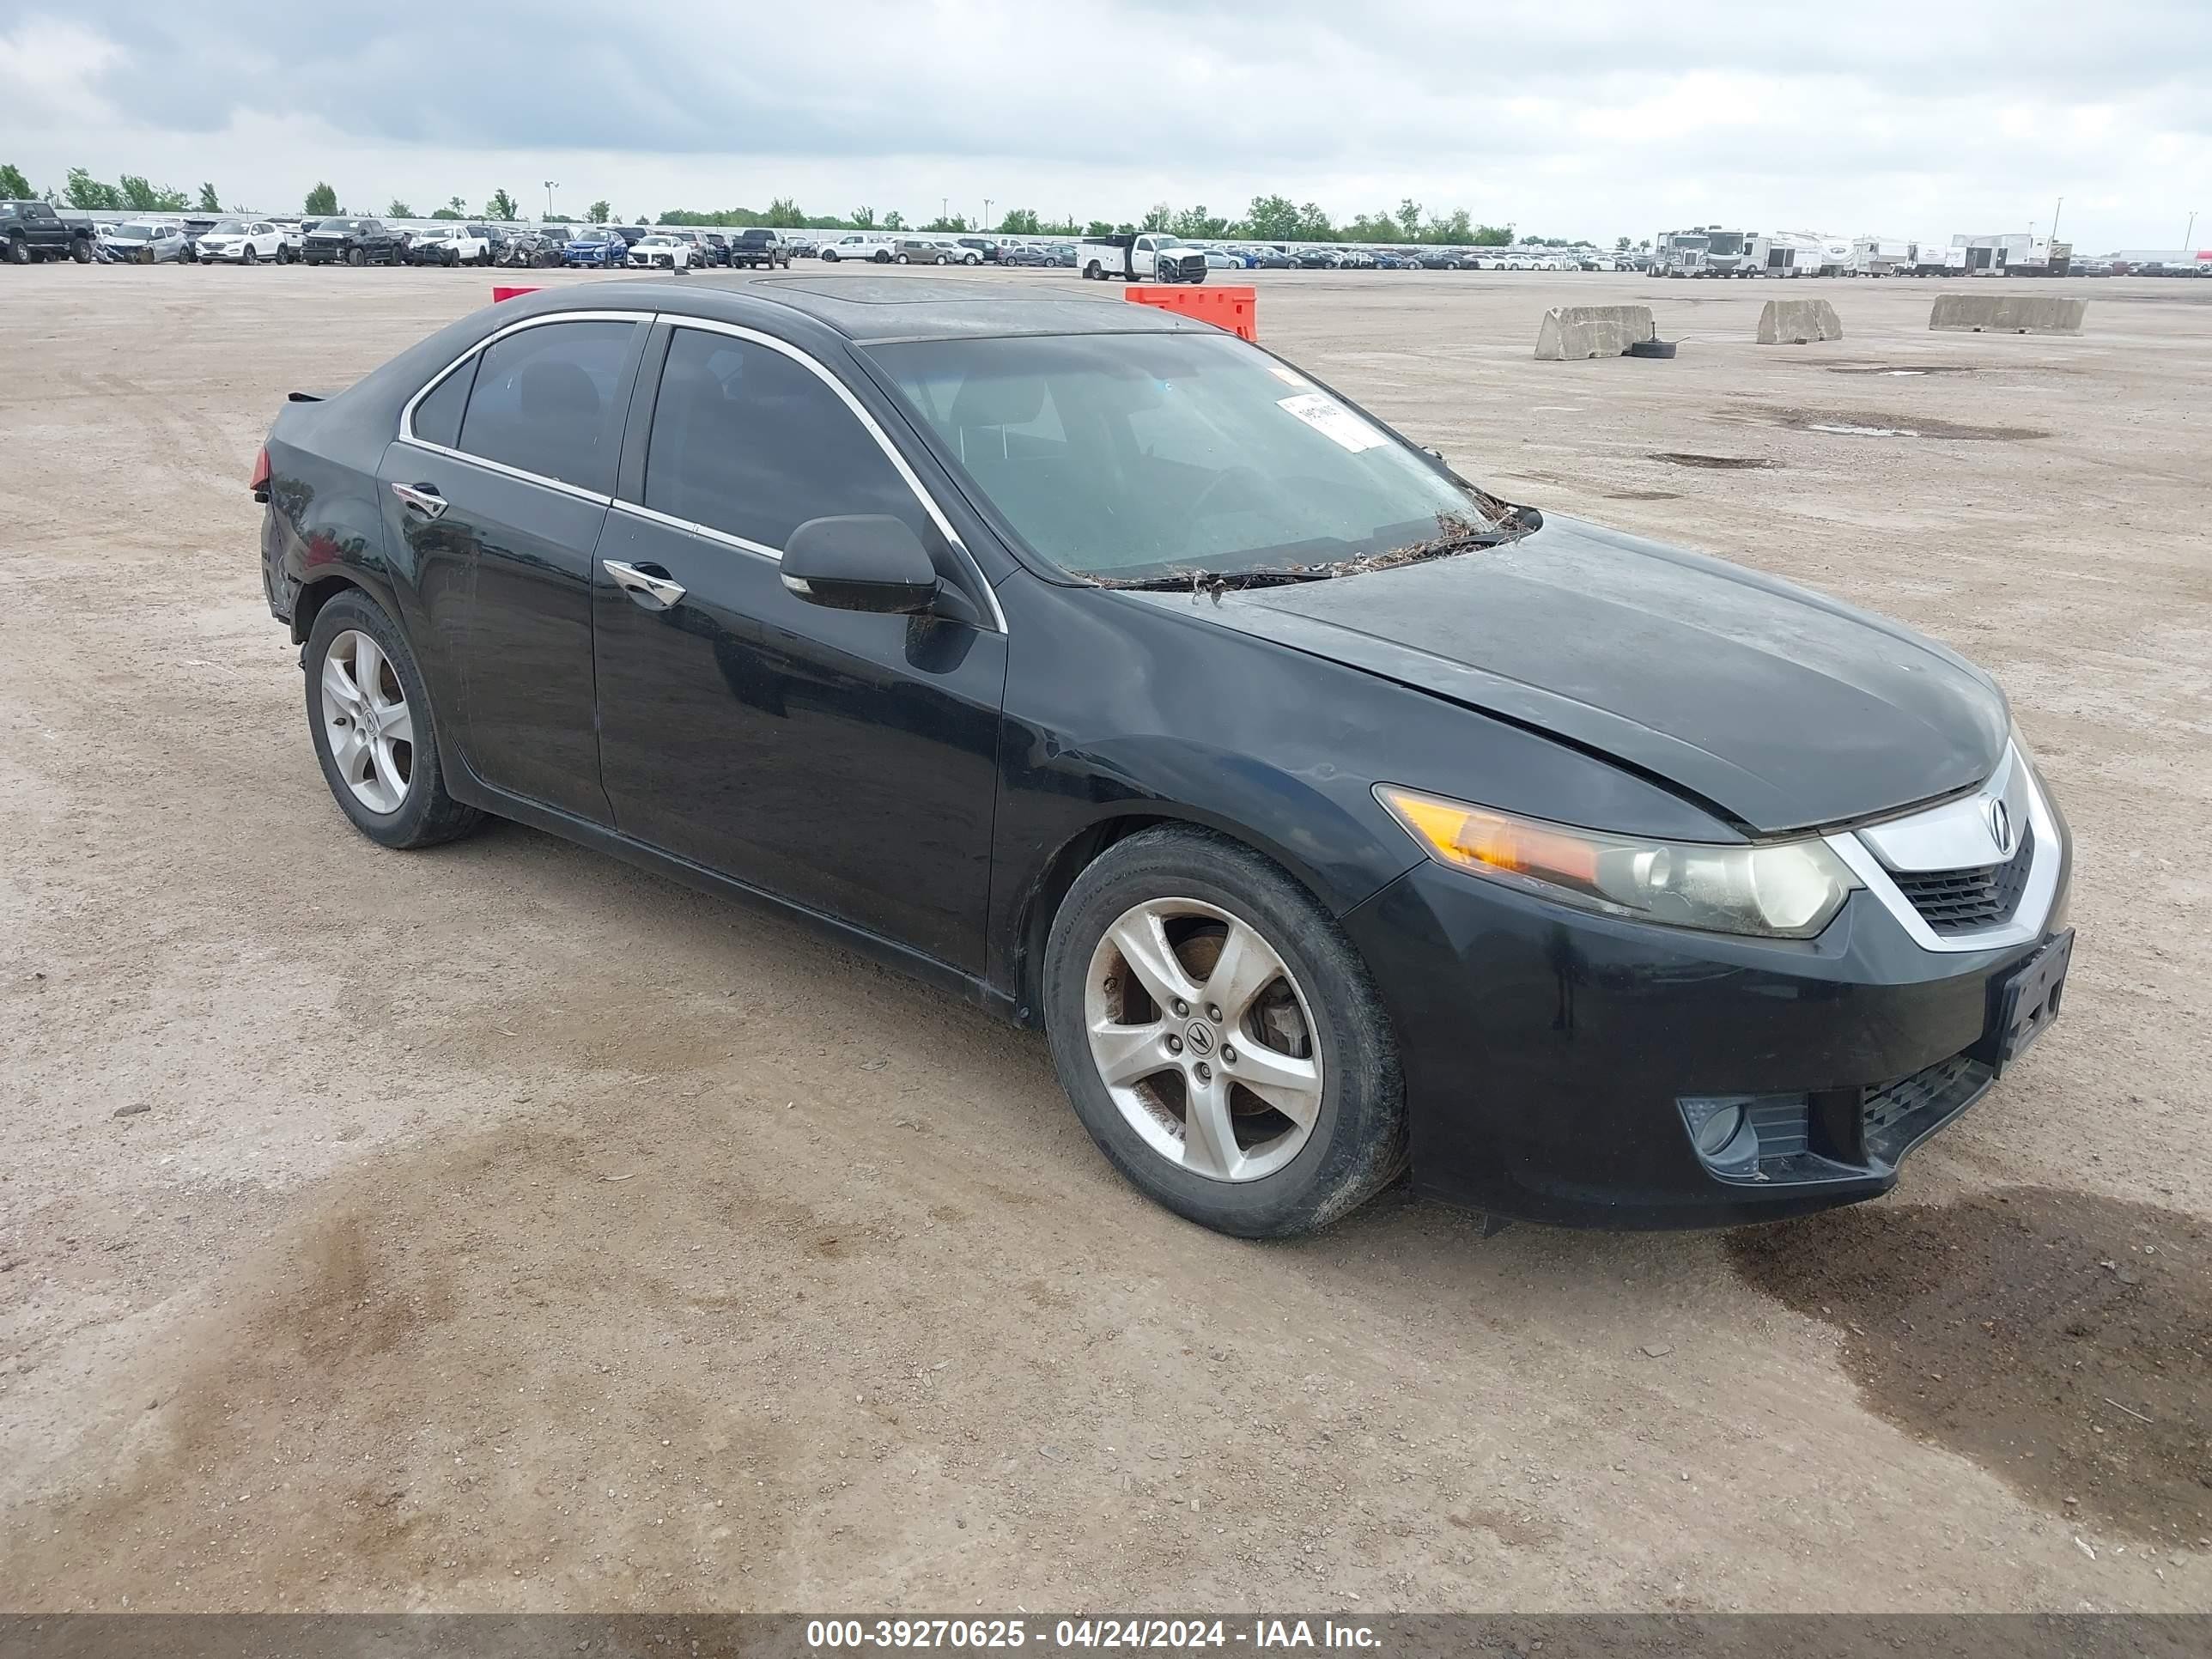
1331	816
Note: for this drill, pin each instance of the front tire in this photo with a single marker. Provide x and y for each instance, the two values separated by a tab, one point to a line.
357	256
375	735
1272	1103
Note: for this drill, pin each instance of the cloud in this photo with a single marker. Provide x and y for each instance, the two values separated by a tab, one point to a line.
1570	116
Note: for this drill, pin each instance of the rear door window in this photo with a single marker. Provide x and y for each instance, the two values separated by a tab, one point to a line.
750	442
547	401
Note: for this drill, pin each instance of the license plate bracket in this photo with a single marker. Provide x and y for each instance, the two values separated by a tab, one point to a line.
2027	999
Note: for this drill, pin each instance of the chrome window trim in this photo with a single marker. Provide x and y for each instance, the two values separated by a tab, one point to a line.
507	472
407	410
654	514
2012	781
712	325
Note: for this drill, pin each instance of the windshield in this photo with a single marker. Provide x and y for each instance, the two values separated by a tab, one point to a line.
1142	456
135	233
1725	241
228	227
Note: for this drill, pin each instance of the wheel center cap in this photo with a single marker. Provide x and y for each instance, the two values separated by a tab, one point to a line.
1199	1037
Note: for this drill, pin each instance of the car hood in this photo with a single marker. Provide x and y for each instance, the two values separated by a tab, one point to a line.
1782	709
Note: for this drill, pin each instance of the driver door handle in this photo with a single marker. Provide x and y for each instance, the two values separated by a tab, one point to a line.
652	593
424	498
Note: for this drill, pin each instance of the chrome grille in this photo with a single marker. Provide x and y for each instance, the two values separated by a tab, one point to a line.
1963	900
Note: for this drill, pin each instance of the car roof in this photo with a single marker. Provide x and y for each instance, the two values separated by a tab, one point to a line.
873	309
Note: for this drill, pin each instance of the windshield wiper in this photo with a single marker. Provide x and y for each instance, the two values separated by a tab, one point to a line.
1455	538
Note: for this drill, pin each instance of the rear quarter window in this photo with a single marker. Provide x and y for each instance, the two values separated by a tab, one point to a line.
438	416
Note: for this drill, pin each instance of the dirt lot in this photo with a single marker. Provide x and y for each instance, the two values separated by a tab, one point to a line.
496	1227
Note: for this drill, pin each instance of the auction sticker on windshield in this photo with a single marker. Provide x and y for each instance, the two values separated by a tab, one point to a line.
1332	421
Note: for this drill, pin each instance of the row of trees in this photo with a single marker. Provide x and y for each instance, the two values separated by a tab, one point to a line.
1268	219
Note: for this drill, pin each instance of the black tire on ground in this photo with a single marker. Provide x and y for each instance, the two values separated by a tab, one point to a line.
81	249
356	256
428	815
452	257
1357	1145
145	256
19	251
248	256
284	253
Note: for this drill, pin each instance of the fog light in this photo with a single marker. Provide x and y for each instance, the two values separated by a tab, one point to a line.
1721	1129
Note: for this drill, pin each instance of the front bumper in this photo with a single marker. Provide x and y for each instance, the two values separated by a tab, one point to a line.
1546	1050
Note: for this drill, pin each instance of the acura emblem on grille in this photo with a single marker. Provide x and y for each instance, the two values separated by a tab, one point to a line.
2000	826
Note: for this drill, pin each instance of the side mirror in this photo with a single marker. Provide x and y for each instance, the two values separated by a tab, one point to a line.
859	562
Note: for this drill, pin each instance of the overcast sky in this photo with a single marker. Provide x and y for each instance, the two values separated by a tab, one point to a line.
1566	118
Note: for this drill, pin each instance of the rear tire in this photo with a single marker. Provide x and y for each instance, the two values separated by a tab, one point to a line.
425	814
1279	1176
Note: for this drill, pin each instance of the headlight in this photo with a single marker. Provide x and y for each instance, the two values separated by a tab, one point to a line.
1776	890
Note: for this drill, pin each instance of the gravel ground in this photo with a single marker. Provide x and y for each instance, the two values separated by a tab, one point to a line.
499	1228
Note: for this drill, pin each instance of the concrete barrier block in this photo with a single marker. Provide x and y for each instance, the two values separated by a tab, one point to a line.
2008	314
1798	322
1571	334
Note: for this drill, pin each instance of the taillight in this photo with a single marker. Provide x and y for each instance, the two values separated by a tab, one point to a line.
258	483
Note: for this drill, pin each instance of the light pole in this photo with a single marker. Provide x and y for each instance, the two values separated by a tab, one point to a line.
2055	212
943	208
550	186
986	224
2189	236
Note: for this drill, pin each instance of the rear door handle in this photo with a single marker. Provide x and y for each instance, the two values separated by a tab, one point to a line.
424	498
653	592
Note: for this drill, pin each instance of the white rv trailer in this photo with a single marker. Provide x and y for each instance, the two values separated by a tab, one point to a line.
1784	253
1883	256
1932	257
2016	253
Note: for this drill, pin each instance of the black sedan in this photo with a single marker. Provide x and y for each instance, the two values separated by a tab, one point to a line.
353	242
1330	815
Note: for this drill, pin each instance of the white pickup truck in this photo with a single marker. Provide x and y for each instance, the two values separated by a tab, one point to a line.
1151	256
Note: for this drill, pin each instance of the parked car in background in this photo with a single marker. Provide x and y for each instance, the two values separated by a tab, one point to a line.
859	245
1141	256
986	251
713	247
918	250
353	242
450	245
1021	253
144	242
1275	259
596	246
661	252
244	242
33	231
757	247
1316	258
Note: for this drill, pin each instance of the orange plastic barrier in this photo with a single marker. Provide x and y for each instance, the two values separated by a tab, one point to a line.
1236	309
499	293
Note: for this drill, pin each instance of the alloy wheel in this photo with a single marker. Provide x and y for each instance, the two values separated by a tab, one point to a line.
1204	1039
369	725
